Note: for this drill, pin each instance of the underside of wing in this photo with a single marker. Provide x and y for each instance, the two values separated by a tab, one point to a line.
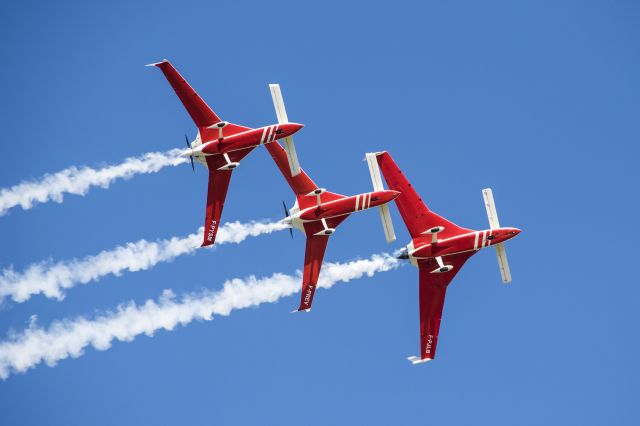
202	115
415	214
314	253
216	194
301	184
432	291
312	228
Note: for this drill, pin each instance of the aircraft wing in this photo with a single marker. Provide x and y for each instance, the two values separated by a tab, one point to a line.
415	214
433	288
217	192
301	184
314	254
199	111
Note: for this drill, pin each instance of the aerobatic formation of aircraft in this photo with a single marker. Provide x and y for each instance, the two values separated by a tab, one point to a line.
317	212
438	247
220	145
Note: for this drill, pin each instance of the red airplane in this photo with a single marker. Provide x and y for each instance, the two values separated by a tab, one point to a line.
219	145
438	247
317	212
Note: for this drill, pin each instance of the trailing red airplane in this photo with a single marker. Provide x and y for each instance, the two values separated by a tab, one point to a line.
438	247
317	212
219	145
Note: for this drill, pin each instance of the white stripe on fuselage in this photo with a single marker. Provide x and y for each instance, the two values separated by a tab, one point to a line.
269	133
475	248
264	132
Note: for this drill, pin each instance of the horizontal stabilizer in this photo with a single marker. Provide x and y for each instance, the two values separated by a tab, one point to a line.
387	225
492	214
301	310
281	113
376	179
494	223
416	360
374	170
502	262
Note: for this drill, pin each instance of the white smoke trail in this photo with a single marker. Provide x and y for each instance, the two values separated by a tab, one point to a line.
78	181
69	338
51	279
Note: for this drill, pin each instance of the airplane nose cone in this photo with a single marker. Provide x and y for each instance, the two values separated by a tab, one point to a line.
395	194
293	127
512	232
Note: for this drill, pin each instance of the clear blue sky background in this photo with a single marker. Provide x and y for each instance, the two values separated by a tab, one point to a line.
539	100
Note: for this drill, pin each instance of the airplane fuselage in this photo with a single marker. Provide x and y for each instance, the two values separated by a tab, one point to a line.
346	205
340	207
424	248
212	144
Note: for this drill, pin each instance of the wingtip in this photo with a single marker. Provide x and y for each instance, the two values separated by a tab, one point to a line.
155	64
417	360
377	153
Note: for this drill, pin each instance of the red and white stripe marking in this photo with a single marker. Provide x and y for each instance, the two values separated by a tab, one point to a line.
363	201
264	132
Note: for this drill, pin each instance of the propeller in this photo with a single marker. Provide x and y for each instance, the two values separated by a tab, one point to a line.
286	213
186	138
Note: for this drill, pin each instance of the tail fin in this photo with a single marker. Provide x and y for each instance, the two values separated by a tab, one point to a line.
199	111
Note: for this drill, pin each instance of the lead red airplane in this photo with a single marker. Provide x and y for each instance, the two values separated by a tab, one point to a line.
317	212
220	145
438	247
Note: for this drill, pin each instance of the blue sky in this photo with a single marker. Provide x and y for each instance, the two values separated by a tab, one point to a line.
538	100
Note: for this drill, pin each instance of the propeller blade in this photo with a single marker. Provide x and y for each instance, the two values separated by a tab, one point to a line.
286	213
186	139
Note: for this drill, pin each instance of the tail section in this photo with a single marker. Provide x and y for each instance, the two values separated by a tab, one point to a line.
494	223
199	111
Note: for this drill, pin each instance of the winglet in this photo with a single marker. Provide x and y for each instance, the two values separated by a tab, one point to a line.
373	153
416	360
155	64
